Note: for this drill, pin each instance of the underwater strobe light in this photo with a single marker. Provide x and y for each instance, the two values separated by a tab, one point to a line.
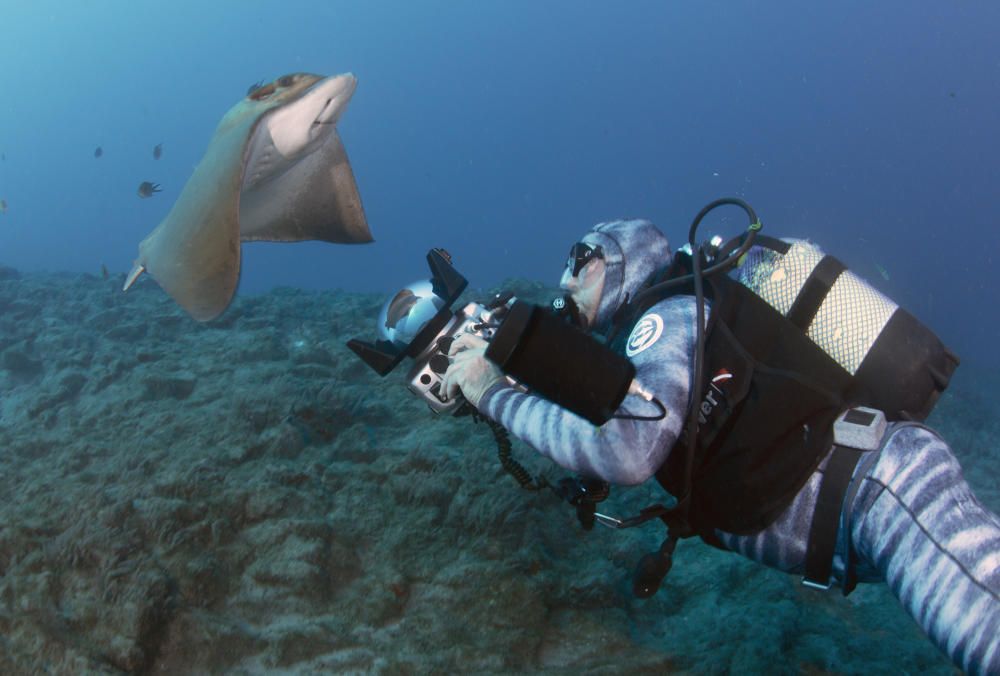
533	347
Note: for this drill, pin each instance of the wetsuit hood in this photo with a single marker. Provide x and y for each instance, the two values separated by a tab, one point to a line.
634	250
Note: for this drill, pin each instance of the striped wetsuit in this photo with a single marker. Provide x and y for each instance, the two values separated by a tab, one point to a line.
913	520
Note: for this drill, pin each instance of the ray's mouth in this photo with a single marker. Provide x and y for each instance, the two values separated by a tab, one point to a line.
326	114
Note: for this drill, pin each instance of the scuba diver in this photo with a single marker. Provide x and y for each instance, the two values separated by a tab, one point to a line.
766	466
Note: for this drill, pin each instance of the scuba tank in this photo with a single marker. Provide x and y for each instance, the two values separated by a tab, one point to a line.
900	366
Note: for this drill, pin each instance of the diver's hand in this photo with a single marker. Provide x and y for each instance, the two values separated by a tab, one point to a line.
470	371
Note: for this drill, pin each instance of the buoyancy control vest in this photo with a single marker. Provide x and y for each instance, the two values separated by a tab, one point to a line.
793	339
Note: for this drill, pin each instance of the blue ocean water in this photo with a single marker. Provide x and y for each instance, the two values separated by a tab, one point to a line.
500	130
503	130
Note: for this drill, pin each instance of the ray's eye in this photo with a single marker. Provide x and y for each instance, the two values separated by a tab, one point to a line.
286	80
262	92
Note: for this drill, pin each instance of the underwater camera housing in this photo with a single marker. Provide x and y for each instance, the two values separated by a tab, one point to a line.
533	347
418	322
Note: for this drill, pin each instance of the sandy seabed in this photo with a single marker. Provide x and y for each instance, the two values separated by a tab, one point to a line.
245	496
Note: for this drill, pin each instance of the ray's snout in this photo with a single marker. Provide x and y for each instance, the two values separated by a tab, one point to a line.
338	92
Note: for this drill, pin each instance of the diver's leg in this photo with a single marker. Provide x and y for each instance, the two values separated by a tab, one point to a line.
917	522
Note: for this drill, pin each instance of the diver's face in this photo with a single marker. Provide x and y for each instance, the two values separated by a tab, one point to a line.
585	287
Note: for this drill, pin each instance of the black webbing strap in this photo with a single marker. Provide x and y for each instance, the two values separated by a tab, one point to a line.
772	243
826	517
814	291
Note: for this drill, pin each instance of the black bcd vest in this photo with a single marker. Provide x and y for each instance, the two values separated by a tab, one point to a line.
771	394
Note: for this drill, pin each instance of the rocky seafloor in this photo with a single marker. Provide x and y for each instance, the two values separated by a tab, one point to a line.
245	496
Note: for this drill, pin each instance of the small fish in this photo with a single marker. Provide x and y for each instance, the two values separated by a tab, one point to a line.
104	271
3	157
882	271
3	207
146	189
157	151
98	151
254	87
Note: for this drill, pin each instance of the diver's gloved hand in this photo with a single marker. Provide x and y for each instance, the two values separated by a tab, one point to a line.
470	371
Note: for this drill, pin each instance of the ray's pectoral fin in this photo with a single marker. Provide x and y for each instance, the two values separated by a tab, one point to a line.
194	253
316	198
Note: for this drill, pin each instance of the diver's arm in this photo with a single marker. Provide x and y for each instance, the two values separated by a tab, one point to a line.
624	452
